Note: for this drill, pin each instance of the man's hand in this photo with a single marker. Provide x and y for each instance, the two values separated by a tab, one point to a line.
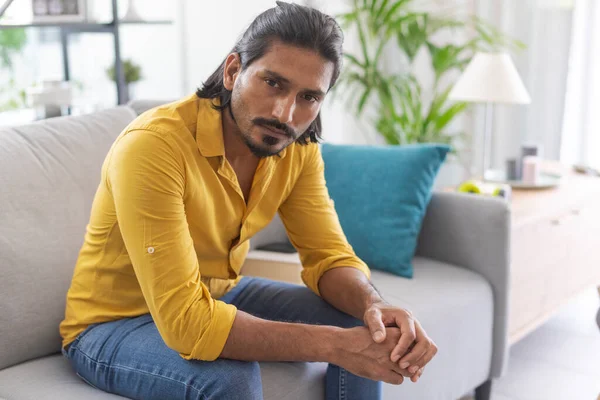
413	350
356	352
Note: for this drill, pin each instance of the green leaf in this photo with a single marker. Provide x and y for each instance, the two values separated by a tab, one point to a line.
449	115
436	24
346	20
354	60
445	58
411	35
391	13
386	95
363	42
363	100
437	103
372	4
377	14
12	42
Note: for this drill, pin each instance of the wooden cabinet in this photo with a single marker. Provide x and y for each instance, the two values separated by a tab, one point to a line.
555	249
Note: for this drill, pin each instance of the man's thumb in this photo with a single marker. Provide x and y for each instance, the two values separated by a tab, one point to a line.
376	326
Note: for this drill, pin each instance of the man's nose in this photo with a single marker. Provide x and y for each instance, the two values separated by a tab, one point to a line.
284	109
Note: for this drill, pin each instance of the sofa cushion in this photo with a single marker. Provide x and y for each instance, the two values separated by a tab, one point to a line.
381	194
49	172
455	307
52	378
47	378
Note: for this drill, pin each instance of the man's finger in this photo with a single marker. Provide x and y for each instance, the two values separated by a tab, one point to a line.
396	368
417	376
411	360
375	324
407	337
431	352
419	363
392	377
424	344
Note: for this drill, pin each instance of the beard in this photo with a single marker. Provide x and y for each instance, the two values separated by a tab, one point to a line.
266	147
262	151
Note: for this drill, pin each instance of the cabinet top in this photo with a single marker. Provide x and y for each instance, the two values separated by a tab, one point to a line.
574	192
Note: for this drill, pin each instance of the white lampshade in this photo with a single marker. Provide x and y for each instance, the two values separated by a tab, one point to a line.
491	78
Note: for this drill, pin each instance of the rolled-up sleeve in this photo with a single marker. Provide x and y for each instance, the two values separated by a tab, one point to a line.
146	177
313	226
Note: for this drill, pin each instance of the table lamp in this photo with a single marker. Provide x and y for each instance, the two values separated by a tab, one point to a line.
490	78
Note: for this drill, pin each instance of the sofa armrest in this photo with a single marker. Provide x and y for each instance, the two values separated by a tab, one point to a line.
474	232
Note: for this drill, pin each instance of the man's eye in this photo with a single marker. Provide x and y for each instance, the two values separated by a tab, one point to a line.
271	83
310	98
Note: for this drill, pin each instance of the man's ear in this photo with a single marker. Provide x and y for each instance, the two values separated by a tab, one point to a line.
233	67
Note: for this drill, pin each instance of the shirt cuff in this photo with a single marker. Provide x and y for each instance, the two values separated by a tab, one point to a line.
311	277
211	344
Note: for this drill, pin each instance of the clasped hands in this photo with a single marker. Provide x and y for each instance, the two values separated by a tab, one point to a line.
414	348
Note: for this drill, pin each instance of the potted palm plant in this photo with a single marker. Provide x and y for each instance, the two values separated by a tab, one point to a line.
406	112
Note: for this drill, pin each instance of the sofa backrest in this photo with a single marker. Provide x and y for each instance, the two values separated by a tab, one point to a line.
49	173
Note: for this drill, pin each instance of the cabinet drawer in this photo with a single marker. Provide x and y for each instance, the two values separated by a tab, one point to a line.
526	303
580	265
536	248
562	250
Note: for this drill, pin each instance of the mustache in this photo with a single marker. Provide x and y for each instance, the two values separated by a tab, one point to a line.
275	124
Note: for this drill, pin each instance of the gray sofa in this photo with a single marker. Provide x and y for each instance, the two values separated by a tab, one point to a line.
49	172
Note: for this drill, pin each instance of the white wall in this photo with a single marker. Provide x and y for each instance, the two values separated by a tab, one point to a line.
211	30
545	27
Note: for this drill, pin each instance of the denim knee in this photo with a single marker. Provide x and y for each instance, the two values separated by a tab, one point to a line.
242	382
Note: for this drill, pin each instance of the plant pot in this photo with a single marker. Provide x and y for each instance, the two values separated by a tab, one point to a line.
128	92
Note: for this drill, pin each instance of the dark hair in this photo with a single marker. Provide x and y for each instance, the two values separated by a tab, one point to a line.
290	24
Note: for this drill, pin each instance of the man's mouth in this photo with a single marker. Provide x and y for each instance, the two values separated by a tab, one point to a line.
275	131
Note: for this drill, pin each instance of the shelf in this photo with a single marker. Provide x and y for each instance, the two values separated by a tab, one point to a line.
145	22
67	28
82	26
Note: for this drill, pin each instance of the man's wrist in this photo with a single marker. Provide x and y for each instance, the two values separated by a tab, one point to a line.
372	298
349	290
328	343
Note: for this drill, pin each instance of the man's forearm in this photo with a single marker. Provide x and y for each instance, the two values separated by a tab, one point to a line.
255	339
348	290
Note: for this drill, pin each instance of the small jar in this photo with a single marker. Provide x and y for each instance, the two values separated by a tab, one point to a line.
531	167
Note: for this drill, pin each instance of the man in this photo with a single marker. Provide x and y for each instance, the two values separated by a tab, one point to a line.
157	308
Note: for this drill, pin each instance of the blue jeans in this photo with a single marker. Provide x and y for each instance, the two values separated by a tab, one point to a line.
128	356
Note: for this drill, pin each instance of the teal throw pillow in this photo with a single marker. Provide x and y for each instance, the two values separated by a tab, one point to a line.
381	194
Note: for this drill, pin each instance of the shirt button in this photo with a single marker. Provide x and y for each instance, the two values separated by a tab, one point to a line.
150	250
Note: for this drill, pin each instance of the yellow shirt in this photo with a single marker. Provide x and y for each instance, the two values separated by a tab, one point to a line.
169	228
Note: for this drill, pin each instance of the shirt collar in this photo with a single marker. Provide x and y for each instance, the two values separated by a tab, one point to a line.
209	130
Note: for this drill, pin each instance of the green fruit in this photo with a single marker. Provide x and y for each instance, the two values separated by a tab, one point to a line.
469	187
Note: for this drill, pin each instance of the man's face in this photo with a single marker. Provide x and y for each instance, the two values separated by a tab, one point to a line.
278	96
